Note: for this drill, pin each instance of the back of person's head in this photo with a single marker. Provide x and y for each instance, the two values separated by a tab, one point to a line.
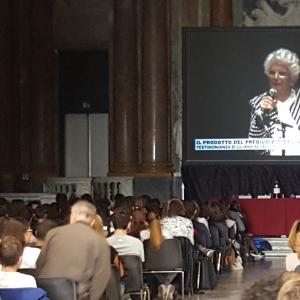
73	198
120	220
215	212
87	197
4	208
235	206
154	205
191	209
287	275
15	228
127	202
34	204
11	250
43	228
290	290
4	212
3	222
124	205
42	211
3	201
204	209
173	208
18	210
61	197
138	222
118	197
294	236
266	289
53	212
139	203
83	211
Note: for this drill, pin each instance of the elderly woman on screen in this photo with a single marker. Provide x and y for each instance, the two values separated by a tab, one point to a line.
276	113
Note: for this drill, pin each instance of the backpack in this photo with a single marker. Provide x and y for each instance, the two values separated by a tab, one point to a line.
261	244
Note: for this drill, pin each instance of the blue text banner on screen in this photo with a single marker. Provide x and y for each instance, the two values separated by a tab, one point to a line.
246	144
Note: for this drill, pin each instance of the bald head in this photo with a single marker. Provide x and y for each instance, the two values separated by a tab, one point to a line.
83	211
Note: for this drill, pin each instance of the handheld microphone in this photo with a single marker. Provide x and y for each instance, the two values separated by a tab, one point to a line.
272	93
259	113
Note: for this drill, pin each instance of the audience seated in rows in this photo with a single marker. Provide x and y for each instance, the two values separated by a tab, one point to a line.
134	220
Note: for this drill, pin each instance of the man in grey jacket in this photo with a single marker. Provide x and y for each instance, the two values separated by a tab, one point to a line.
76	252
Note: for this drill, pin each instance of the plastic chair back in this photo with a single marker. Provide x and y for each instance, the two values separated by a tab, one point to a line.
168	257
23	294
58	288
133	272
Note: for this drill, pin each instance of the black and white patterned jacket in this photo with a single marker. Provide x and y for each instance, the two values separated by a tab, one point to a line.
262	124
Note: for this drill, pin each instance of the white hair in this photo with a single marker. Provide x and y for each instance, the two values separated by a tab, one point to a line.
84	211
286	57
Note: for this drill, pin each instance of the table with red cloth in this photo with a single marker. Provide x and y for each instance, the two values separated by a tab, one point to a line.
270	217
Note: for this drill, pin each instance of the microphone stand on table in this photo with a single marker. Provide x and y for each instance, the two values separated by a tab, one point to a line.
283	130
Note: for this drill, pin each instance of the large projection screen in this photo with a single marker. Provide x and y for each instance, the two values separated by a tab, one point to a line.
223	70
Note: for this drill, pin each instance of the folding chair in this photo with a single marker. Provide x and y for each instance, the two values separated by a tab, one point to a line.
133	279
112	291
168	259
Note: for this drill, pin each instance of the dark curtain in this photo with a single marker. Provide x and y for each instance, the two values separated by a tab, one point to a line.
204	182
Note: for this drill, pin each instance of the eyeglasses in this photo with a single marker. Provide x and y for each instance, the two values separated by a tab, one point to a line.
280	75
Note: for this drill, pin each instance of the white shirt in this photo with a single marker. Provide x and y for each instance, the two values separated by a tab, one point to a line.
291	130
16	280
292	261
127	245
179	226
145	234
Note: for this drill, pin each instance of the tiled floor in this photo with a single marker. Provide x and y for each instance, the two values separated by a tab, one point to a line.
232	284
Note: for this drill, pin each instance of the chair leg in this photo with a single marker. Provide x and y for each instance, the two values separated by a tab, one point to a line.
198	275
182	285
219	262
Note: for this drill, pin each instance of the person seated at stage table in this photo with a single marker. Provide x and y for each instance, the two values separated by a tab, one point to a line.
292	260
11	250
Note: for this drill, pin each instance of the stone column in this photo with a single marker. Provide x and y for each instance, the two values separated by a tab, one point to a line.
123	142
8	118
155	99
44	102
22	50
221	13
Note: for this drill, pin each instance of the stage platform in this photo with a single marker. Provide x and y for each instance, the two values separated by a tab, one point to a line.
270	217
